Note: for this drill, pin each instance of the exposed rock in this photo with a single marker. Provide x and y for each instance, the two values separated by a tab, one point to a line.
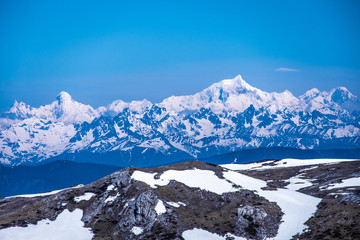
124	208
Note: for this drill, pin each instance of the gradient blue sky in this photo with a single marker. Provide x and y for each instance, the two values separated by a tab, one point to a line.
130	50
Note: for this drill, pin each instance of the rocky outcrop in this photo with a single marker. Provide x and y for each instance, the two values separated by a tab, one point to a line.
121	206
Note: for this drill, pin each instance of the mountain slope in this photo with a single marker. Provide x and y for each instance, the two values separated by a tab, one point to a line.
226	117
307	199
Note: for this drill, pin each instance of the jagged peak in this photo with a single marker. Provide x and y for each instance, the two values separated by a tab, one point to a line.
341	89
18	106
311	93
64	97
234	84
140	106
340	95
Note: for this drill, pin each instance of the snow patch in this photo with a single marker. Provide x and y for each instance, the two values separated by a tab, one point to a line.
160	207
350	182
67	225
176	204
201	234
288	162
195	178
85	197
44	194
111	198
297	207
137	230
110	188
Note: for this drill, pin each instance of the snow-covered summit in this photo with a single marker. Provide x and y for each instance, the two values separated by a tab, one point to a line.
20	109
337	99
63	109
228	116
230	95
68	111
119	106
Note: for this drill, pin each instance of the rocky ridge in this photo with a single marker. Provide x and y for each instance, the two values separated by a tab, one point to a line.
175	201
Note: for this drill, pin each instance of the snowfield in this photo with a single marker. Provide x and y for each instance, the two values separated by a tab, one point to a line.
67	225
85	197
287	162
44	194
350	182
200	234
208	180
297	207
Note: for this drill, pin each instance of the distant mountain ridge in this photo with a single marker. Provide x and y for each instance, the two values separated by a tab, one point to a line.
226	117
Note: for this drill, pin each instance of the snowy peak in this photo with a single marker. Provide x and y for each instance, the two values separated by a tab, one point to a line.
344	99
234	86
64	98
68	111
119	106
20	109
340	95
63	109
140	106
227	95
311	93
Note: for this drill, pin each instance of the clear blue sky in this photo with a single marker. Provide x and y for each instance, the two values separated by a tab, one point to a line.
100	51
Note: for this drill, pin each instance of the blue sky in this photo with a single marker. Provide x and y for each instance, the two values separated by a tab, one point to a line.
131	50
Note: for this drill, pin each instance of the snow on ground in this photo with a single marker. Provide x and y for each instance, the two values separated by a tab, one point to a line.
288	162
137	230
160	207
297	207
297	182
209	181
200	234
176	204
149	179
110	188
67	225
112	198
350	182
44	194
85	197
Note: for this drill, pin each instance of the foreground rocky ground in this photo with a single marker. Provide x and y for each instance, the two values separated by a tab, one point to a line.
196	200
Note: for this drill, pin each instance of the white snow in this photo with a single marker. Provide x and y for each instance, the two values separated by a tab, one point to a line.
208	180
296	183
110	188
297	207
350	182
288	162
111	198
85	197
176	204
148	178
137	230
67	225
44	194
200	234
160	207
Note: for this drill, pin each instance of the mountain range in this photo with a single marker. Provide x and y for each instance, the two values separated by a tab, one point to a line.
227	117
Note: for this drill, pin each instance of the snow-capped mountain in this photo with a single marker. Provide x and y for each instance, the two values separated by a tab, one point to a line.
233	95
64	109
228	116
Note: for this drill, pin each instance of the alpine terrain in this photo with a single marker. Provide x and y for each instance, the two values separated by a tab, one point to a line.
227	117
286	199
